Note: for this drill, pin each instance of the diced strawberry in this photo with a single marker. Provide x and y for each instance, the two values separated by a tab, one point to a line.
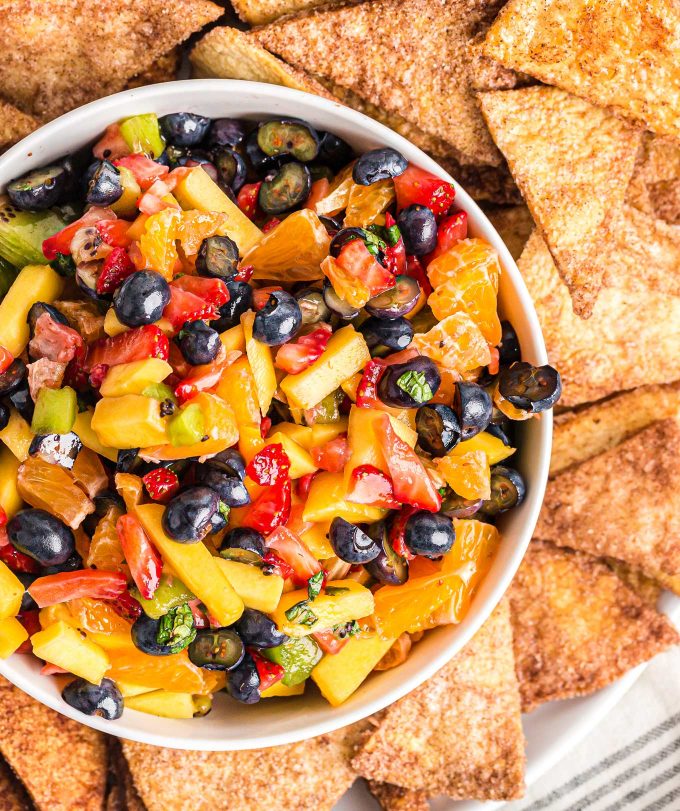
161	483
494	365
247	200
265	426
320	189
278	566
367	390
303	484
205	377
114	232
97	375
48	669
369	485
200	618
415	270
117	267
359	264
395	254
135	344
58	588
145	170
269	672
6	359
295	356
270	509
398	530
419	186
156	198
329	642
75	374
185	306
269	465
451	230
295	553
245	273
214	291
270	225
333	455
60	243
111	145
3	518
141	555
127	606
54	341
17	561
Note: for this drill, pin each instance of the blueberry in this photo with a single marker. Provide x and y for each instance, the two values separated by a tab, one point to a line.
288	136
40	308
257	629
218	258
74	563
56	449
230	461
378	164
188	515
232	171
145	636
429	534
141	298
27	602
22	401
312	305
127	460
240	301
438	428
41	536
243	681
244	545
13	377
388	567
104	700
105	500
530	388
396	302
216	649
104	187
507	490
409	384
287	188
473	408
4	416
230	489
418	228
352	544
184	129
194	159
39	189
336	304
508	349
334	151
279	319
386	335
199	343
262	163
227	132
456	506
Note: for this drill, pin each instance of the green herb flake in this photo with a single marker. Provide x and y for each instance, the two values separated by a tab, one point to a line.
64	265
392	235
315	584
416	386
176	628
347	629
331	591
302	614
224	510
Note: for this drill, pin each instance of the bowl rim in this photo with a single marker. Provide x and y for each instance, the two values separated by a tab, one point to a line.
192	93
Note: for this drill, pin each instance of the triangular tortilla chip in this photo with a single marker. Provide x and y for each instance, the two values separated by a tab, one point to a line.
572	162
655	185
632	338
61	763
405	56
259	12
647	590
580	435
101	44
460	733
623	503
395	798
14	125
307	776
622	54
164	70
227	53
577	627
514	224
13	796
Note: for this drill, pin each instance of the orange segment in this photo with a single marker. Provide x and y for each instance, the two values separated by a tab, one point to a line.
157	243
97	616
175	672
366	204
197	226
455	343
105	550
49	487
468	474
130	488
89	473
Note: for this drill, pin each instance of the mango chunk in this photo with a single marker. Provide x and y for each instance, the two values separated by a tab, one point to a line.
129	689
316	540
237	387
195	567
338	676
327	499
131	421
64	646
345	354
281	690
164	703
233	339
261	362
198	191
113	327
363	446
12	635
133	378
301	462
256	589
351	601
492	446
326	432
10	500
34	283
302	434
11	592
17	435
83	427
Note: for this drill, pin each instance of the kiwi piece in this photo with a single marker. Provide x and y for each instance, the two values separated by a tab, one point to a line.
22	233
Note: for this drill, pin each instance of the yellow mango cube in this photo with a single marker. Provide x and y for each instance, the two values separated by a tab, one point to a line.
342	601
64	646
10	500
133	378
34	283
131	421
338	676
281	690
113	327
11	592
83	427
257	590
129	690
261	363
467	474
316	540
12	635
492	446
345	354
327	498
195	567
233	339
302	434
301	462
165	703
17	435
326	432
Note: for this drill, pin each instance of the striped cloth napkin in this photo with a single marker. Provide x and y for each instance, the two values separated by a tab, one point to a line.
630	761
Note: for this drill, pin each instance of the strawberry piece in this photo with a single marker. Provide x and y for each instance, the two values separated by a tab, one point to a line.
397	532
271	509
161	483
58	588
415	270
278	565
135	344
111	145
114	232
31	622
296	356
127	606
261	296
329	642
145	170
6	359
117	267
214	291
290	548
395	254
141	555
185	306
269	465
419	186
54	341
333	455
369	485
269	672
247	200
265	426
303	484
245	274
17	561
451	230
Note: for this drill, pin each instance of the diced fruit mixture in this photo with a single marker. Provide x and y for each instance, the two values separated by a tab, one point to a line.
256	407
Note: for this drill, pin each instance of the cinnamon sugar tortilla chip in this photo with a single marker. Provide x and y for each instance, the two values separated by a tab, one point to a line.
655	185
514	224
13	796
58	54
572	162
227	53
460	733
307	776
14	125
577	627
621	54
404	56
648	590
623	503
61	763
164	70
632	338
582	434
395	798
258	12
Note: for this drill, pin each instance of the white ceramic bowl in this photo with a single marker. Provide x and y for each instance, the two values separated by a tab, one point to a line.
276	721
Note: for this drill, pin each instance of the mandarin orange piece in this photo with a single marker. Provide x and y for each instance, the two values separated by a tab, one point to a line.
366	204
157	243
197	226
106	551
89	473
49	487
97	616
130	488
455	343
468	475
467	254
174	672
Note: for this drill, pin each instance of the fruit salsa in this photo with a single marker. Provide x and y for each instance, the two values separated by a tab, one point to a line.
256	416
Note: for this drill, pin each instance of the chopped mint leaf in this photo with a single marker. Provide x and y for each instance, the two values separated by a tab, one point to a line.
392	235
347	629
224	509
416	386
315	584
302	614
176	628
333	590
374	242
64	265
